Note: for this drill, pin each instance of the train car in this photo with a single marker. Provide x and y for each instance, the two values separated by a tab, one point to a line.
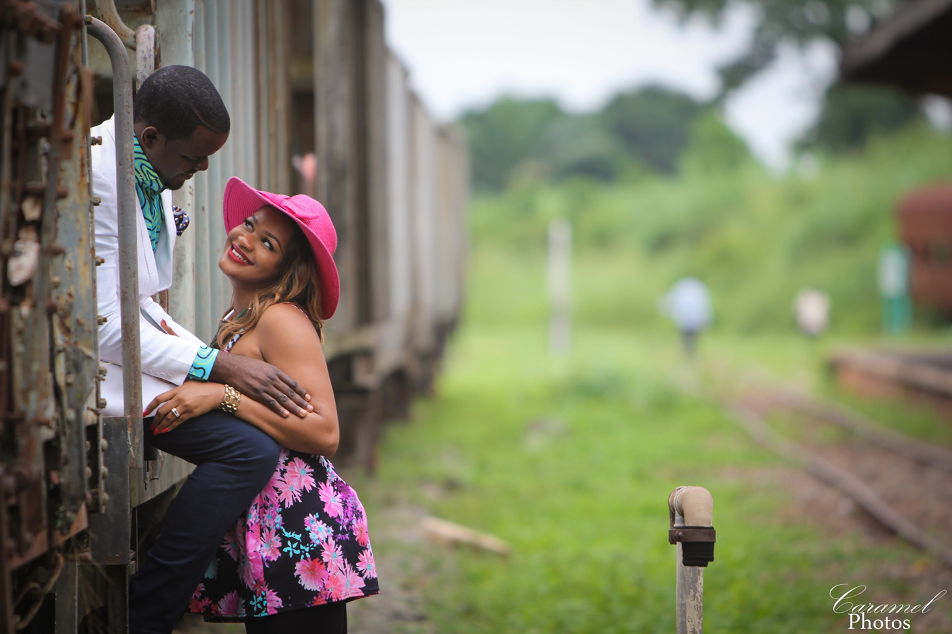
925	228
300	77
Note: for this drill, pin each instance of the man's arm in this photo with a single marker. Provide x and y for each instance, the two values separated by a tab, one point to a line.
163	356
262	382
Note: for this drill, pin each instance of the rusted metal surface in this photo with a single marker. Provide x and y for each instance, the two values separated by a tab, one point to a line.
43	475
145	53
107	9
128	262
925	227
48	347
110	530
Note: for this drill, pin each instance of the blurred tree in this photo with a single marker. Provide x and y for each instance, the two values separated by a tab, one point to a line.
713	147
852	114
504	135
651	124
797	21
580	146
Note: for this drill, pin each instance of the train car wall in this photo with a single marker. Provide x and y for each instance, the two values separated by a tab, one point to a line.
423	196
50	449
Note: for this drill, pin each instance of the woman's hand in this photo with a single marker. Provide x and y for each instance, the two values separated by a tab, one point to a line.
191	399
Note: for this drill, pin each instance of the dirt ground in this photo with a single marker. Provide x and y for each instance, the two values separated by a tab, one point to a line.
817	504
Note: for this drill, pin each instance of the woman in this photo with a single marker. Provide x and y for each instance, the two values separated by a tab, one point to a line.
301	551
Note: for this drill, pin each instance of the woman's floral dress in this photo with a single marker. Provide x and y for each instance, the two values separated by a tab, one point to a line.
302	543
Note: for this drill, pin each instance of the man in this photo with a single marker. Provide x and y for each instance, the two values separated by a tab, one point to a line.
179	121
688	304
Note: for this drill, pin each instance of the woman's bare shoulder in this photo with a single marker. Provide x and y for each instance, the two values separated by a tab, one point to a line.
284	332
285	317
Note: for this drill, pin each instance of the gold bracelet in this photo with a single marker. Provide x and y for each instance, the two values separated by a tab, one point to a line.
230	401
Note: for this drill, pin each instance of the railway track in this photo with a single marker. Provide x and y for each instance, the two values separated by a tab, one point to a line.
903	483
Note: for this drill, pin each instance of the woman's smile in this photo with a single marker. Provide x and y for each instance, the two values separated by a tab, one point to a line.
237	256
255	247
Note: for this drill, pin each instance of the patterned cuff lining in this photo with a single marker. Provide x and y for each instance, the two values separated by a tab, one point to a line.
202	366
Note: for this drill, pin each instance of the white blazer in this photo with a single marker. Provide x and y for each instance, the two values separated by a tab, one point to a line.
166	359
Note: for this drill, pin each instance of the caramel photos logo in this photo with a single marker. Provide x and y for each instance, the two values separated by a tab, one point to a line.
875	616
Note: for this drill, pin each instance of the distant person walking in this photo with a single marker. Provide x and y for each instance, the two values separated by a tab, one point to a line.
688	305
812	310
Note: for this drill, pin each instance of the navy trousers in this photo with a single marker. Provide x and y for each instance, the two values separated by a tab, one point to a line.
234	461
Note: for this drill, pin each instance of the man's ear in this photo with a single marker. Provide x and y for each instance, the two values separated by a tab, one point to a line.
149	137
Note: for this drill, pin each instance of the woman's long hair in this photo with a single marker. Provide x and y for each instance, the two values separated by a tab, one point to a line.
296	284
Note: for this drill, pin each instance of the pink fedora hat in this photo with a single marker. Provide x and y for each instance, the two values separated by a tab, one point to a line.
242	200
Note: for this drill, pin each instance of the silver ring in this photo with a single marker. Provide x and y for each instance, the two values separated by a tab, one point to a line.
175	411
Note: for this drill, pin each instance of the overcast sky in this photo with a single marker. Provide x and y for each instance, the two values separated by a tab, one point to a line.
465	53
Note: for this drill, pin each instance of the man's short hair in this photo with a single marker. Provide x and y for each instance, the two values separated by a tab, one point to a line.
177	99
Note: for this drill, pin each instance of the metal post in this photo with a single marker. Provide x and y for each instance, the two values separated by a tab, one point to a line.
128	258
691	512
560	273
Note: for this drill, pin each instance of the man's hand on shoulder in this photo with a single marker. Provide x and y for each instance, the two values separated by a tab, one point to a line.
262	382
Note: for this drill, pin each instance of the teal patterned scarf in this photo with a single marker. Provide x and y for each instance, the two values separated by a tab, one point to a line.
149	188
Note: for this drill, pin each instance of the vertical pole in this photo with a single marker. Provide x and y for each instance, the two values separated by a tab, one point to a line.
560	274
690	597
128	260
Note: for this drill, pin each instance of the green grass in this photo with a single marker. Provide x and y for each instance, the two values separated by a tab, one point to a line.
571	460
585	508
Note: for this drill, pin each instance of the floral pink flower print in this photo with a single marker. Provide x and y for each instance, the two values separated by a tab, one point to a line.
253	568
334	588
332	555
232	605
303	541
269	495
298	475
197	603
311	573
230	544
350	581
270	545
366	565
317	530
288	493
360	531
269	515
332	505
272	600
